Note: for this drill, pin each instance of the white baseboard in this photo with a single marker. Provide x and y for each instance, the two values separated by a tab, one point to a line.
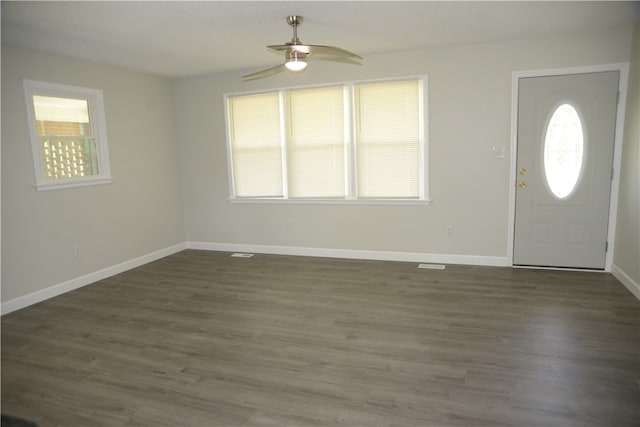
64	287
627	281
61	288
355	254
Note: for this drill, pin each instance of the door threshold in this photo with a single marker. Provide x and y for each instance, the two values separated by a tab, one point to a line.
556	268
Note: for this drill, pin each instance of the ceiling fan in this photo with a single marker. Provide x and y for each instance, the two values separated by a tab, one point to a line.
296	54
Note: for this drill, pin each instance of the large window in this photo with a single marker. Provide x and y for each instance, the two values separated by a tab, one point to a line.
351	142
68	137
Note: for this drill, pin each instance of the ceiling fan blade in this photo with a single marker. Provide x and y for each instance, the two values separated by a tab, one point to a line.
302	48
332	51
337	59
264	73
315	49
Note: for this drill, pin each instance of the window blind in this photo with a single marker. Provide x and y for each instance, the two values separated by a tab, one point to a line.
316	142
388	139
352	141
256	145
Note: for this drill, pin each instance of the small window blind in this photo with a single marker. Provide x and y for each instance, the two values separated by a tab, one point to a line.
256	145
316	142
389	139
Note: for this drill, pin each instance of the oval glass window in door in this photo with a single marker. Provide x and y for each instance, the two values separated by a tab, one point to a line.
563	151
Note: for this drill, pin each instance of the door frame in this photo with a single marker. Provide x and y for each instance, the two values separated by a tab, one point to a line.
623	68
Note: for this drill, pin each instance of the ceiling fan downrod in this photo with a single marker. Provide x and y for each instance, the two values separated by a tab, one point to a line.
294	21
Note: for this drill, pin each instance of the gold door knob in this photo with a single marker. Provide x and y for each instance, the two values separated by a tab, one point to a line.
522	171
522	184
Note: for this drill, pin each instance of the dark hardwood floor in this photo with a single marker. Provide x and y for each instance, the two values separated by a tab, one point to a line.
202	339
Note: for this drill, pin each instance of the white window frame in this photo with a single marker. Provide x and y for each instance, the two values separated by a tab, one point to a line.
97	122
350	150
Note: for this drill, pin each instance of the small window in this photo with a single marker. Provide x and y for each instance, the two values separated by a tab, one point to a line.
563	151
68	136
361	141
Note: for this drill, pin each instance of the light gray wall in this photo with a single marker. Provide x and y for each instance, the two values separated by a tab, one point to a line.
139	213
469	113
627	248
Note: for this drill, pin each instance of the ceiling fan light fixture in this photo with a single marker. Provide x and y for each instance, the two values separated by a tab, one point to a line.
296	54
296	61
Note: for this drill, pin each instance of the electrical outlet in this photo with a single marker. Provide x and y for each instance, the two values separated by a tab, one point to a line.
76	250
450	230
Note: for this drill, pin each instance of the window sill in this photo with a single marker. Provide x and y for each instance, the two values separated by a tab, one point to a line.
59	185
276	201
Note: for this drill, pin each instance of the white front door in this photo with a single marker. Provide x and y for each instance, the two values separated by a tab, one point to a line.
565	140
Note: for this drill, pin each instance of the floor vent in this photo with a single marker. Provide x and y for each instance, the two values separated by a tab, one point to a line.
241	255
432	266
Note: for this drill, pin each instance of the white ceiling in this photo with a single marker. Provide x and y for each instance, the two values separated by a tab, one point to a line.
183	38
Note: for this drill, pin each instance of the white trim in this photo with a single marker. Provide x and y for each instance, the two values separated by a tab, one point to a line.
515	77
551	268
626	280
328	201
419	257
550	72
617	161
283	107
322	85
231	182
350	175
426	143
72	184
78	282
623	68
